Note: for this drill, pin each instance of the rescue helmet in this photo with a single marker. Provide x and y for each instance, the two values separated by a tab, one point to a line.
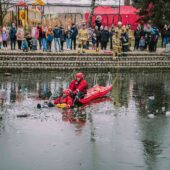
79	75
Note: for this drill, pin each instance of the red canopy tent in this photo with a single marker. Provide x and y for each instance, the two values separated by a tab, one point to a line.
111	15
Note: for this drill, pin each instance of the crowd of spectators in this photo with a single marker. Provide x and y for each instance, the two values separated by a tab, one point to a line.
99	37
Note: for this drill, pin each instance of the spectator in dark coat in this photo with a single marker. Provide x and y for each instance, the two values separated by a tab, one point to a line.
147	33
137	35
28	38
104	38
63	37
98	21
165	38
153	39
168	33
98	36
74	36
12	35
57	38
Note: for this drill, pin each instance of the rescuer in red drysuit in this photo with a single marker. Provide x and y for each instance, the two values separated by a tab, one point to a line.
65	98
78	86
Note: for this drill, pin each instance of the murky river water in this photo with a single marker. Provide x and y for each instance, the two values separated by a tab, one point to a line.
128	130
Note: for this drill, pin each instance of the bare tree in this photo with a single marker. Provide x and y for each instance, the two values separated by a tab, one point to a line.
93	3
5	5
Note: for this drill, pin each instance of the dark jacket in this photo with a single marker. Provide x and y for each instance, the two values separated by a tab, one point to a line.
168	32
40	31
105	36
98	33
124	38
137	34
12	33
57	32
63	36
98	23
69	34
111	33
164	32
74	32
44	34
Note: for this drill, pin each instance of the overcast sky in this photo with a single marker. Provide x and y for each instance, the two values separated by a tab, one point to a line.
102	2
109	2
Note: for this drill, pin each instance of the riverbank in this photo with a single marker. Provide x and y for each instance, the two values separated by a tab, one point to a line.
71	60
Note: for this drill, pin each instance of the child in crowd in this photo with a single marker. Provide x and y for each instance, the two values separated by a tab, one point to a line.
24	45
34	44
4	38
94	41
28	38
142	43
0	39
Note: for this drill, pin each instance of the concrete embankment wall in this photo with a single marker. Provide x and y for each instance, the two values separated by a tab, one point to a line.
93	61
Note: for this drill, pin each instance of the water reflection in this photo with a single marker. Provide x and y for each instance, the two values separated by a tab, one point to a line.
120	91
152	98
77	117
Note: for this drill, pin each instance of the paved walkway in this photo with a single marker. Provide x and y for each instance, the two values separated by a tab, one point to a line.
159	50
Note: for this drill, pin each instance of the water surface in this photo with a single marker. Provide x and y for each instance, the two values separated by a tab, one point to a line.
128	130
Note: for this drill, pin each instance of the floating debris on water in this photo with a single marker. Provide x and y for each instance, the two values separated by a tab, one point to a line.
163	109
23	115
1	117
7	74
151	116
93	139
152	97
58	77
167	113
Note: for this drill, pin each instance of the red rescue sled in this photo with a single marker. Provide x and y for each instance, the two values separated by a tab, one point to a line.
95	92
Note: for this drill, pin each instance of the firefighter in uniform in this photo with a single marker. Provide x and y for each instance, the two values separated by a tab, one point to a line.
117	47
82	37
130	35
119	29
